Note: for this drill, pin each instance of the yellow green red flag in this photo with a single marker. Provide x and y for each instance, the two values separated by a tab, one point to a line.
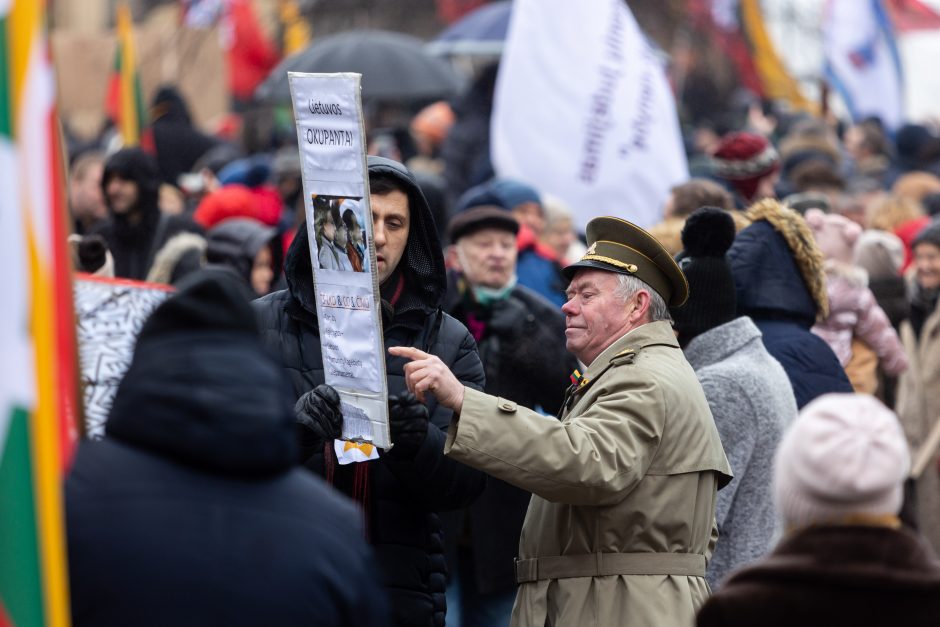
38	386
125	103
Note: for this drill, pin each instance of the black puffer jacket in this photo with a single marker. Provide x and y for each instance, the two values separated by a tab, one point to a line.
193	511
403	495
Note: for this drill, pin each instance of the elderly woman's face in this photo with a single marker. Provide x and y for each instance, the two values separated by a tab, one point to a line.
927	264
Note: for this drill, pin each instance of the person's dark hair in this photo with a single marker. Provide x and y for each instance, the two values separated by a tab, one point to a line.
931	203
350	220
874	138
381	183
816	174
699	192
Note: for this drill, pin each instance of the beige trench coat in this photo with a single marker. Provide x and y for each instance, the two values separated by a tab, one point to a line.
624	488
918	408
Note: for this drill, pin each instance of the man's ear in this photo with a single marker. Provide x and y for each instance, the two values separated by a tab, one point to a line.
452	259
640	313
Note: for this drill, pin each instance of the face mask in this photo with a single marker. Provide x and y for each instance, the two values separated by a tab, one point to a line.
486	296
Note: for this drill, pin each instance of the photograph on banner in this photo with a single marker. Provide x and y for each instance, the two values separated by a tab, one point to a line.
341	239
330	137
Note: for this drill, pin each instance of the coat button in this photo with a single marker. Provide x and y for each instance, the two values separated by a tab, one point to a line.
505	405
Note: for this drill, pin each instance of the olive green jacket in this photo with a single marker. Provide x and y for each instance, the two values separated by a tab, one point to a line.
622	516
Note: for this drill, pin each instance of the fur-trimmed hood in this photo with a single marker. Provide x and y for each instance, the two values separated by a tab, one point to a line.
182	254
777	266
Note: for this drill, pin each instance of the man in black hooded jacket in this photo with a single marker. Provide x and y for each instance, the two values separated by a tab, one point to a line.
412	481
193	510
136	230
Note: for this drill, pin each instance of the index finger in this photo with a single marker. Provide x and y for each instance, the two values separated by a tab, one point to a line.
408	352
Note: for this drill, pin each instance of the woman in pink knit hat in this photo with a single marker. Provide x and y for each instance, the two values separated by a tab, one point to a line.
845	558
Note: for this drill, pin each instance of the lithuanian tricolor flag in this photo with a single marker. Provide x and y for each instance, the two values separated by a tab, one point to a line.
125	105
37	378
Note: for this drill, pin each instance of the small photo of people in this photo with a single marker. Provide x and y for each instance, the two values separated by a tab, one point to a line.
341	237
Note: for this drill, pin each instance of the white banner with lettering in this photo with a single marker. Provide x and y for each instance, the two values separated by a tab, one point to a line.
583	111
862	61
328	114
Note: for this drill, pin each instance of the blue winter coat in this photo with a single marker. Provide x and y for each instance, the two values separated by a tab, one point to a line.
771	290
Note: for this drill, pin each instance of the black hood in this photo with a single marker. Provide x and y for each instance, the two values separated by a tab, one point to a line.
422	264
133	164
202	390
169	106
235	243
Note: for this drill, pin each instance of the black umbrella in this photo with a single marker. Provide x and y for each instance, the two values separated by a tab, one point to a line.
394	67
481	32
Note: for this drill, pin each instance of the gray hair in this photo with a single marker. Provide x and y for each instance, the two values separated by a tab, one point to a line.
628	285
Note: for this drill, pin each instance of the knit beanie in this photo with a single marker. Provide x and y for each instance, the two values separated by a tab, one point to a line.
706	237
844	455
505	193
929	235
743	159
836	235
880	254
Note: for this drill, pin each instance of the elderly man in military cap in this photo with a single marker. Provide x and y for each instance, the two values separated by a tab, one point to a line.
624	483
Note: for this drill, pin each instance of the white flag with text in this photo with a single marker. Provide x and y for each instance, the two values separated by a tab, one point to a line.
862	60
583	111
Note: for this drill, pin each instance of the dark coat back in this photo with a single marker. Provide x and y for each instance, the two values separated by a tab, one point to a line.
403	495
771	290
192	511
826	576
892	297
522	346
177	142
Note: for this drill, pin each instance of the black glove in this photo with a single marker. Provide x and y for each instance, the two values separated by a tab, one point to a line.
408	422
319	420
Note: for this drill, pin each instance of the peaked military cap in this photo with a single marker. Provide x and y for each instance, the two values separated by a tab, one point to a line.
619	246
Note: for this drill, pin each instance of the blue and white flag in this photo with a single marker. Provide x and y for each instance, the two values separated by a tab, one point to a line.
583	111
862	61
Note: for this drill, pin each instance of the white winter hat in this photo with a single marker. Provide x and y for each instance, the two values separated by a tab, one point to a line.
845	454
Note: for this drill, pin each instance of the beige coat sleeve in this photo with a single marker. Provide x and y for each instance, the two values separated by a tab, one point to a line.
595	458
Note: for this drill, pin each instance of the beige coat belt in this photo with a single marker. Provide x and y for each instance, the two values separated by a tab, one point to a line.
604	564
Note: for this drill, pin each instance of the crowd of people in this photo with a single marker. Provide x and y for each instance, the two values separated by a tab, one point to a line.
729	418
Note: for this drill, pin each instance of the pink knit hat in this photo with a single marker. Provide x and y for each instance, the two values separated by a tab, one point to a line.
845	454
835	234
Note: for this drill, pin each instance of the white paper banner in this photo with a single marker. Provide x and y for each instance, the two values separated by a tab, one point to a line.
583	110
109	315
328	114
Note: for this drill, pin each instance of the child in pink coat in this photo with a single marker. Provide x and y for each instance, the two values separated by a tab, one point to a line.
853	310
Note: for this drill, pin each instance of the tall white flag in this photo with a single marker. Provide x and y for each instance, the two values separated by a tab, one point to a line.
583	110
862	61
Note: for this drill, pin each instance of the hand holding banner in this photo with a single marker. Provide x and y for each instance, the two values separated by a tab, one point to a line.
328	114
